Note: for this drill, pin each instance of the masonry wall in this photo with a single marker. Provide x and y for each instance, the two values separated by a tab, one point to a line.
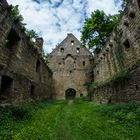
71	65
119	60
21	62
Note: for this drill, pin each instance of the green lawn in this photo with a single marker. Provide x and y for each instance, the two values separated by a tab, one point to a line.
79	120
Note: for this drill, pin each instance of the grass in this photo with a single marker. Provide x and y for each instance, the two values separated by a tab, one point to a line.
79	120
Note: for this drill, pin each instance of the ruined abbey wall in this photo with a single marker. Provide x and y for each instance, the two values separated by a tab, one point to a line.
24	76
117	65
71	65
23	72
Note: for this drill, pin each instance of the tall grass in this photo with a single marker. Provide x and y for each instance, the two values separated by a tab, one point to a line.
78	120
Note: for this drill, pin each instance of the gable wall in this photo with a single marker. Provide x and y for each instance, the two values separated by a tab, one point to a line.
68	69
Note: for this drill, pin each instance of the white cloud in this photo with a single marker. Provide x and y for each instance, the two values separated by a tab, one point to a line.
108	6
54	21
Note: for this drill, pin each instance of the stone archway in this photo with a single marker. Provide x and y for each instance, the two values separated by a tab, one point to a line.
70	94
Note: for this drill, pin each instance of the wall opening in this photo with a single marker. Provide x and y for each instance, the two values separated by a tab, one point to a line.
137	87
70	94
111	44
126	44
126	23
6	85
70	71
78	50
81	95
38	65
12	38
132	14
72	42
97	72
84	63
138	3
62	50
32	90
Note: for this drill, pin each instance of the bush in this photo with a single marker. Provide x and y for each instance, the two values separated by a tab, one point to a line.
20	113
16	113
81	99
123	112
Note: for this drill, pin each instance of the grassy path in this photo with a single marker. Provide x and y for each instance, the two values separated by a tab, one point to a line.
81	120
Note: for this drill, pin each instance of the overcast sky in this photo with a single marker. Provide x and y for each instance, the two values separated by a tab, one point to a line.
53	19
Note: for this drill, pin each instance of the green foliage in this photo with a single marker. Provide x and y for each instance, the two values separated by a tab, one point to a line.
45	56
16	13
124	3
122	113
118	77
20	113
31	34
98	28
80	120
17	113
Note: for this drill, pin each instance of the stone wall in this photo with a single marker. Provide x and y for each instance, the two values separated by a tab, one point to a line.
119	60
71	65
23	72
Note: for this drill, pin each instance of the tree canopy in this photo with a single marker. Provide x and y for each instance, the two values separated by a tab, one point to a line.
98	27
16	13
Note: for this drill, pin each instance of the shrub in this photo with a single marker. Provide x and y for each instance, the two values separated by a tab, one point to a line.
20	113
16	113
123	112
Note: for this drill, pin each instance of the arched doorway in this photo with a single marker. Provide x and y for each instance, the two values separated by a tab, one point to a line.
70	94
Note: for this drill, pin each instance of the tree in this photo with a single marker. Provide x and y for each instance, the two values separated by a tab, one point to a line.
45	56
31	34
16	13
97	29
124	3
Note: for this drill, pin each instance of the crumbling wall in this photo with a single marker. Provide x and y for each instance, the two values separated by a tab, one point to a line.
21	61
71	65
119	60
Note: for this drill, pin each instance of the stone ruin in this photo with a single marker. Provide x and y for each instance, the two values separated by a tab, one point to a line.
71	65
117	65
113	71
24	76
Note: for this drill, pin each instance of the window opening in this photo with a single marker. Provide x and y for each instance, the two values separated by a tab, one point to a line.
38	64
72	42
12	38
126	43
84	63
62	50
32	90
81	95
6	85
78	50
